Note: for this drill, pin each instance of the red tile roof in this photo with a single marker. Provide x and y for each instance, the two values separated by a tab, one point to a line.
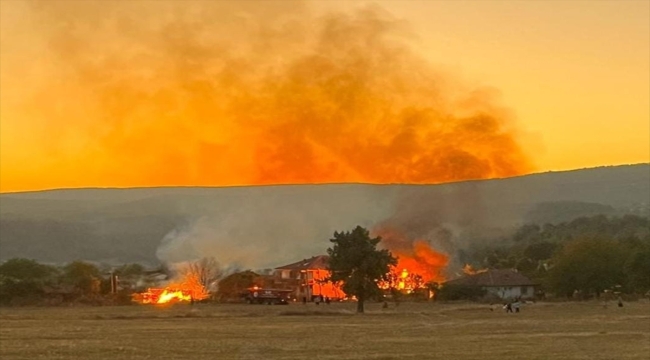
315	262
494	277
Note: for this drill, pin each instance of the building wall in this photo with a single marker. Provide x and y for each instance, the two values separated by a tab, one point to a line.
511	292
320	287
308	283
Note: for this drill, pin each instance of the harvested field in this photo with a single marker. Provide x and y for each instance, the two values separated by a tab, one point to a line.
409	331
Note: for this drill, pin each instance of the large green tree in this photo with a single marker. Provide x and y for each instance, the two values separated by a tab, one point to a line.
24	279
588	265
85	277
637	268
358	264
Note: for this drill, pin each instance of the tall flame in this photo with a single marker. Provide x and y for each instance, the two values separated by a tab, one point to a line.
188	289
417	264
423	260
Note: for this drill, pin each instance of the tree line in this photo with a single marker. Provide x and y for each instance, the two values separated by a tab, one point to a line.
27	282
584	257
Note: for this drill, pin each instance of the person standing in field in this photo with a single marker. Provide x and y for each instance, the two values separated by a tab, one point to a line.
508	307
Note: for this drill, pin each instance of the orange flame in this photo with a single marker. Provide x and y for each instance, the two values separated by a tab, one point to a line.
189	289
469	270
423	260
162	296
417	263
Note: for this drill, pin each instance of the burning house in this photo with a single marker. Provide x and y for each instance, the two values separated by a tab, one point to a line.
308	279
402	281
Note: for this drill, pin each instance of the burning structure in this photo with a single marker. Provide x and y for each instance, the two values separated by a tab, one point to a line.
403	281
305	279
188	289
417	262
308	278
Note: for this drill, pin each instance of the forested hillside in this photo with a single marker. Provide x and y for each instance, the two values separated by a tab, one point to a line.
244	224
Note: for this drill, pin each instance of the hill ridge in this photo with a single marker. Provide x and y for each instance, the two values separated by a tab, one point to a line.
243	225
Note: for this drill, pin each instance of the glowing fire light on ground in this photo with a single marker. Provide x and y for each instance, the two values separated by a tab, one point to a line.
189	289
162	296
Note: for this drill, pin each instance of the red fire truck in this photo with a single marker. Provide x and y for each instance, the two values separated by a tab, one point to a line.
258	295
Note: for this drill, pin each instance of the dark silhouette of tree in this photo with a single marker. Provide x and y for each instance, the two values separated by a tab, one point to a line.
358	264
540	250
207	271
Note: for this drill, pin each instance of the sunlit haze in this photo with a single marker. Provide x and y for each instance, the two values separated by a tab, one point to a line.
219	93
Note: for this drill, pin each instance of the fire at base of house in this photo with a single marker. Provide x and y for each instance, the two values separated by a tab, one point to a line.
163	296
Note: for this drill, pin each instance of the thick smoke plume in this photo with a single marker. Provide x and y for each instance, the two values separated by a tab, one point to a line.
135	93
426	229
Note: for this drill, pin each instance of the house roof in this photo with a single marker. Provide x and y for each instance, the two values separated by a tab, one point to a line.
314	262
494	277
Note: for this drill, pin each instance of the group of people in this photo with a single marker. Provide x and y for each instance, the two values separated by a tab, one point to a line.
512	306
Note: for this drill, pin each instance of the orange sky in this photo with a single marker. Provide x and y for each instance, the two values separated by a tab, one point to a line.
235	93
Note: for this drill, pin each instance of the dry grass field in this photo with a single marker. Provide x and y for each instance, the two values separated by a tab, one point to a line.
409	331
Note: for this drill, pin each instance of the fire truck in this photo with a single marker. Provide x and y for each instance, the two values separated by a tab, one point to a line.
258	295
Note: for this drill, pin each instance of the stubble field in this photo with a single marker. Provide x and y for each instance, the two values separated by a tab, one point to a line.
409	331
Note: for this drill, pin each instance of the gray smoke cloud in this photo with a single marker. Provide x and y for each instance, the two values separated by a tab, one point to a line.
266	227
270	226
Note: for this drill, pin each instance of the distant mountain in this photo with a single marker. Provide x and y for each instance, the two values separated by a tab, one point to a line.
260	226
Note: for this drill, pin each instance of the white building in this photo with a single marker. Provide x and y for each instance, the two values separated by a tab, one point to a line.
503	283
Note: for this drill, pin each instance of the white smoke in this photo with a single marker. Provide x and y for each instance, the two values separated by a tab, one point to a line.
258	229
